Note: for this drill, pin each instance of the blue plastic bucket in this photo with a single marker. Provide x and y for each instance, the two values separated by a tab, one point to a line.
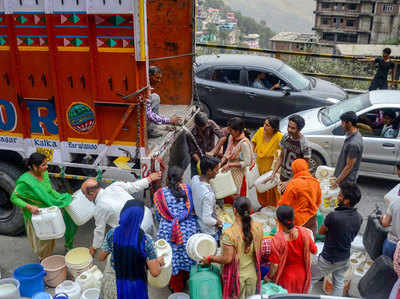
30	277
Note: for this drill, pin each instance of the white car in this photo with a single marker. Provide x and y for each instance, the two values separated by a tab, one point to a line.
326	136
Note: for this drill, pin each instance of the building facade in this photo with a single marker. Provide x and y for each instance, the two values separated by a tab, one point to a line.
357	21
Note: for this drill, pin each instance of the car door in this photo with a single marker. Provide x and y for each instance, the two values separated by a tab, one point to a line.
224	92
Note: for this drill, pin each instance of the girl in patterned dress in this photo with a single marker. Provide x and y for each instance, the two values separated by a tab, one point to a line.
177	223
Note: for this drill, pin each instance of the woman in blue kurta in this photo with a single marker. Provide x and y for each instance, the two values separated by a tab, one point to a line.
175	213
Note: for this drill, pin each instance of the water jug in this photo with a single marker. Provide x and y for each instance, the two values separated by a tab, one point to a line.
92	293
80	209
49	224
392	194
204	282
161	281
90	279
147	223
223	185
320	221
270	214
378	282
263	186
71	288
329	198
201	245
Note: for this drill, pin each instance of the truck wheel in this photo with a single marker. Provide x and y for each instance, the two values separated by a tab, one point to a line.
11	218
315	161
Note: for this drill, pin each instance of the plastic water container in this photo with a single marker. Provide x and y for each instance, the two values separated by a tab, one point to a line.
69	287
91	294
201	245
90	279
42	295
392	194
78	260
263	187
9	288
30	277
205	280
329	198
252	174
179	296
161	281
56	270
49	224
80	209
223	185
324	172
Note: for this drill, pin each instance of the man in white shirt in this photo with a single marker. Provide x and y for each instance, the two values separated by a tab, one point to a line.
110	201
204	198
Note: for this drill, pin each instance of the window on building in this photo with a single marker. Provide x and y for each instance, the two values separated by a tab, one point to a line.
341	20
352	6
328	36
387	7
325	5
348	38
350	23
334	20
325	21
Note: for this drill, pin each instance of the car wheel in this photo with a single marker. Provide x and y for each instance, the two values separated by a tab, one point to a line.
315	161
11	218
204	108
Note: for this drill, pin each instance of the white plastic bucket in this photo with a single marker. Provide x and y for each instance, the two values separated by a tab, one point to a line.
71	288
179	296
252	174
78	260
90	279
223	185
9	288
263	220
49	224
161	281
260	184
201	245
80	209
91	294
329	198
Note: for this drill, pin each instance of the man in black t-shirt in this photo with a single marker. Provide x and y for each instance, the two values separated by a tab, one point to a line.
340	227
384	65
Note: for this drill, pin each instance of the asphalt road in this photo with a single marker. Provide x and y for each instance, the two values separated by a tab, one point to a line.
16	251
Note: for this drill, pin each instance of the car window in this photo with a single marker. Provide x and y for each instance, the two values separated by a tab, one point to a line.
331	114
230	76
265	80
379	123
299	81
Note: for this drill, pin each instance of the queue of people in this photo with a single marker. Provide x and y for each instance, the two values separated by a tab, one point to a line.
183	210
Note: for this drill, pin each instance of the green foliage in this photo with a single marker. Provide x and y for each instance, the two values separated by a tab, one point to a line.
394	41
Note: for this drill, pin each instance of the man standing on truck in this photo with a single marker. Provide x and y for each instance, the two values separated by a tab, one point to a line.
110	201
153	106
384	65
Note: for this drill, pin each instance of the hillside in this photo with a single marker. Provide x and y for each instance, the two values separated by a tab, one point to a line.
281	15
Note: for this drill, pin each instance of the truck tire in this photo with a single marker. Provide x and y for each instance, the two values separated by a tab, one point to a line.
11	218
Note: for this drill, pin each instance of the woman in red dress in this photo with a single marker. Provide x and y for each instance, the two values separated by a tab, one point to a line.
290	254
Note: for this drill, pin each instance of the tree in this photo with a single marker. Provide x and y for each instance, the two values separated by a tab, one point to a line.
212	29
223	36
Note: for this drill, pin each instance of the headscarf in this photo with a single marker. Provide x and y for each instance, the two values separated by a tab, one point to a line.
233	149
300	168
129	252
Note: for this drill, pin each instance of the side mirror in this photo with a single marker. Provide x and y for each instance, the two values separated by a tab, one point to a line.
286	90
